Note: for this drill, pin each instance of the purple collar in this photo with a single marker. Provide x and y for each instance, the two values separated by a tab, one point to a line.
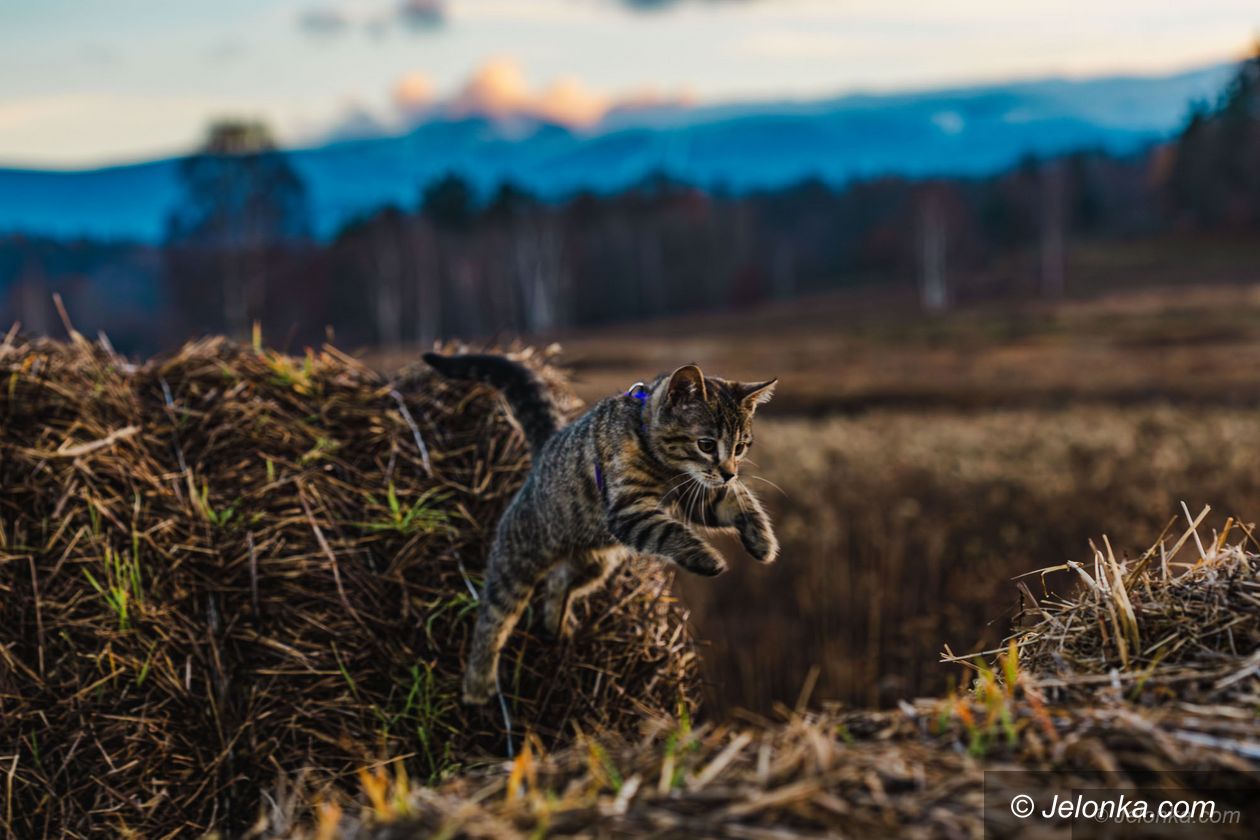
640	393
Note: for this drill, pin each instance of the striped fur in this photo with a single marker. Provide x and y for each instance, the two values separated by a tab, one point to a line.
525	392
667	463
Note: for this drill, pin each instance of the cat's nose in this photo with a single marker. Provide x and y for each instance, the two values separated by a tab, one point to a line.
727	473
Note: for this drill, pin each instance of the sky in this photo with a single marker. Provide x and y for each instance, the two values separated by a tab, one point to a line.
88	82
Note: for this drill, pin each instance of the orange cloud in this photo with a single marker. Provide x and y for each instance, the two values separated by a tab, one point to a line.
499	89
496	89
650	97
413	94
570	102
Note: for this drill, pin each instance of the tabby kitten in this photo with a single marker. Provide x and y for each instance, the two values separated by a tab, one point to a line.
630	475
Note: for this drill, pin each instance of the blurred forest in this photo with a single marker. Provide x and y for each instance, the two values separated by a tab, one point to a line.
239	247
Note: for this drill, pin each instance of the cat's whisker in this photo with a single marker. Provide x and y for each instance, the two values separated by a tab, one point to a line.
697	489
772	484
677	482
678	485
740	492
700	499
664	499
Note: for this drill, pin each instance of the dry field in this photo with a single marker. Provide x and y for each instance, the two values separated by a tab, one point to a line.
1147	322
915	464
902	532
853	352
1144	681
236	584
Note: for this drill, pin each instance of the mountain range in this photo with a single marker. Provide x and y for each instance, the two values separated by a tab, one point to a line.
956	131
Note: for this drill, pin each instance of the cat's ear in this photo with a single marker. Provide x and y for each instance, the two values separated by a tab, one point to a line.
753	394
686	385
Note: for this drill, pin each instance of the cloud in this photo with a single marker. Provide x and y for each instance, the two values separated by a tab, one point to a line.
374	19
496	89
658	5
413	95
323	20
649	5
422	14
379	17
648	98
499	89
570	102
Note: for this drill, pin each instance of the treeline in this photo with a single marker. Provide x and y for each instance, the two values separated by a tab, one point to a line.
238	248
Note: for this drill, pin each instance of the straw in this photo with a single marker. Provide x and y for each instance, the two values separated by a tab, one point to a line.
226	568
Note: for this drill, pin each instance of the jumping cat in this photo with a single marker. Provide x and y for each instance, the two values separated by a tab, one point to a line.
632	474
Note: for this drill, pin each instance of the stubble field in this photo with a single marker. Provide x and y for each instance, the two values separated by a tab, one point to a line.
916	464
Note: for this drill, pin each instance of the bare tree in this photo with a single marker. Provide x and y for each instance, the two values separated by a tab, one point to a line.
933	291
33	297
783	271
242	202
1053	275
424	257
540	273
387	279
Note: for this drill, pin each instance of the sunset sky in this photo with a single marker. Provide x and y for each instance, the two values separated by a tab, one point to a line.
84	82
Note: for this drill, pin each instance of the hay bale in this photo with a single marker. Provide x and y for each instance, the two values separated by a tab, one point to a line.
1049	716
1180	622
227	567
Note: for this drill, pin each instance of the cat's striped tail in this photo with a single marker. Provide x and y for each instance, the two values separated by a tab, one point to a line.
526	393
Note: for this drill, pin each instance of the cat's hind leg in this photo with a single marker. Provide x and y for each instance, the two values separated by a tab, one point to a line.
572	580
509	582
555	612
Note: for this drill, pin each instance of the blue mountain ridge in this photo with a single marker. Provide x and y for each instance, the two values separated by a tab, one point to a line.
961	131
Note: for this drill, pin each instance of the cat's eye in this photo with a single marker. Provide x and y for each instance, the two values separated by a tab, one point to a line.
707	445
742	447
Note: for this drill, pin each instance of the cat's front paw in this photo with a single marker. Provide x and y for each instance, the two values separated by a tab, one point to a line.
759	540
703	561
478	688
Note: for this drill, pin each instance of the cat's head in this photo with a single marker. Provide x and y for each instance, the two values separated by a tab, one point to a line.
703	425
